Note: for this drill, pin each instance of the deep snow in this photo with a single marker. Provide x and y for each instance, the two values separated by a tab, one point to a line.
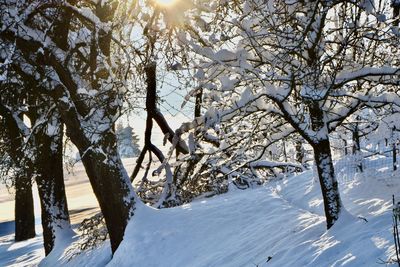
279	224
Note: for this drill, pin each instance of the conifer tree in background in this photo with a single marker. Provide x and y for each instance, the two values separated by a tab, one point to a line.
127	142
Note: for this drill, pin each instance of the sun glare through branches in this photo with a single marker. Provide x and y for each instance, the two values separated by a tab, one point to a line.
166	2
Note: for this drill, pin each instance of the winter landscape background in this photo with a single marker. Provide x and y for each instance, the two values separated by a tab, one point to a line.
199	133
241	228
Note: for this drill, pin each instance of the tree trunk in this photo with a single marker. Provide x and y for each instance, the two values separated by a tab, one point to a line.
327	180
24	212
396	11
299	151
356	141
107	175
98	151
324	164
199	101
357	148
111	186
394	156
50	181
94	136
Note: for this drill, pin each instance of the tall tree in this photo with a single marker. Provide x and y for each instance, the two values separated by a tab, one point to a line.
37	150
310	63
12	146
70	50
48	138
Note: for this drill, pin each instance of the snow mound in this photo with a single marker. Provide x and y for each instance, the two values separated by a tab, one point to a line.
281	224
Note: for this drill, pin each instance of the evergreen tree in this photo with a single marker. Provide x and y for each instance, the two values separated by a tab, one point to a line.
127	142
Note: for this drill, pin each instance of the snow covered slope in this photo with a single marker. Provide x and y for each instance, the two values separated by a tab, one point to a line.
279	224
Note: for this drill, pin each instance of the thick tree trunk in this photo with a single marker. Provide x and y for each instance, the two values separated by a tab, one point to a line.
24	212
107	175
50	181
111	186
98	151
328	182
93	135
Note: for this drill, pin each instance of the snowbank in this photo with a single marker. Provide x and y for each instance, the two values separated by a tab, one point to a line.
279	224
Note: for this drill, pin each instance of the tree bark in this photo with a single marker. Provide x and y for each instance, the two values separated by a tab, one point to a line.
324	164
97	147
98	151
328	182
199	101
24	211
356	141
50	181
357	147
107	175
154	113
396	11
111	186
99	155
394	156
103	165
299	151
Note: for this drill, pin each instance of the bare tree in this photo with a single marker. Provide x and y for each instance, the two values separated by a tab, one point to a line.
12	146
312	64
70	49
36	147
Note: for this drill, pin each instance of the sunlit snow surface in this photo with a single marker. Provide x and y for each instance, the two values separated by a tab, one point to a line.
279	224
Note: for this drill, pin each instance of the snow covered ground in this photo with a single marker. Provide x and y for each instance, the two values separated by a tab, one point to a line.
279	224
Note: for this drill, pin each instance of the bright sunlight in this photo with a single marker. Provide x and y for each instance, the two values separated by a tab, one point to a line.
166	2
